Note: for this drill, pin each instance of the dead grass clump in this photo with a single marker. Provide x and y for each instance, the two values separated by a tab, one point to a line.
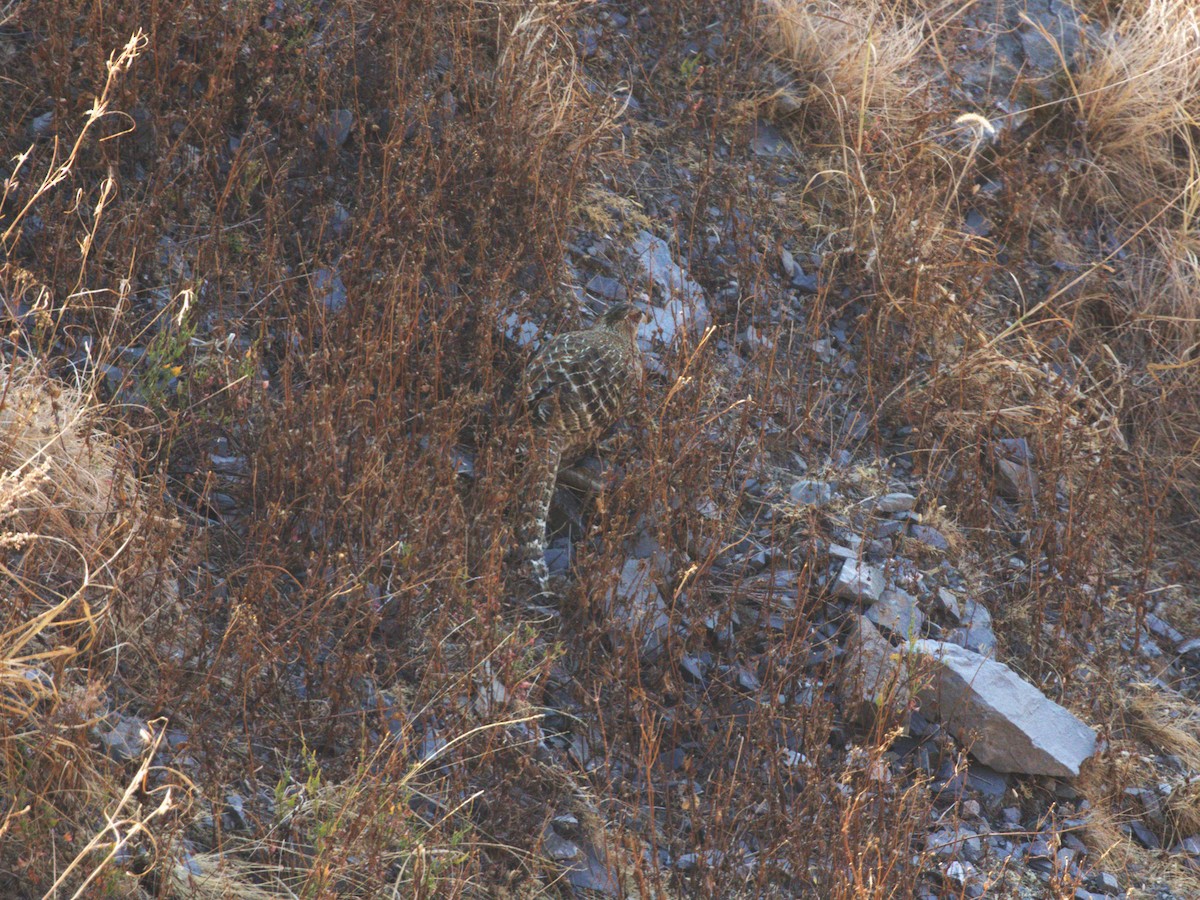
77	539
857	56
64	480
1138	98
1169	727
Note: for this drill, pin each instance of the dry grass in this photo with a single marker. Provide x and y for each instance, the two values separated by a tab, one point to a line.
348	661
1137	95
79	543
857	57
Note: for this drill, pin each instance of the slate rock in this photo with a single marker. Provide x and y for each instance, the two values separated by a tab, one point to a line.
977	634
811	493
873	675
1005	722
329	289
336	131
1102	883
929	535
636	607
954	843
125	737
897	612
892	503
608	288
858	580
685	307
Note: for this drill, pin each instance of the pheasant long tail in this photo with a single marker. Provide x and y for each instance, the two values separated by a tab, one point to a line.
544	460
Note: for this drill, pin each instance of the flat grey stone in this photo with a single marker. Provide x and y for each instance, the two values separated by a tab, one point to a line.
685	307
336	131
897	612
1005	722
872	675
977	634
859	581
635	607
329	289
929	535
891	503
608	288
1102	883
811	493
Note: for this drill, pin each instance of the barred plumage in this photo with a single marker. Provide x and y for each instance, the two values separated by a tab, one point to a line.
579	385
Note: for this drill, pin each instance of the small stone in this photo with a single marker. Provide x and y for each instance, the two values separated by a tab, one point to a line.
693	668
859	581
1189	845
520	331
636	607
747	680
897	612
977	223
41	124
336	131
956	842
685	306
767	140
608	288
1190	647
566	825
558	847
888	528
892	503
948	603
927	534
811	493
1103	883
234	466
125	737
329	289
977	635
1144	835
990	784
804	282
824	350
1015	476
872	677
1163	629
752	341
856	426
787	261
558	557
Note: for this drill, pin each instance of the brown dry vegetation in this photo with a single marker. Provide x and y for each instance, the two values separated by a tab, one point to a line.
327	632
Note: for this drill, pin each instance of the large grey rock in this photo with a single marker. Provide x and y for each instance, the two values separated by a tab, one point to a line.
684	305
1005	722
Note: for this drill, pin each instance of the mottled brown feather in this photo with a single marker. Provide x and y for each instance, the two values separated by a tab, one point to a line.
579	385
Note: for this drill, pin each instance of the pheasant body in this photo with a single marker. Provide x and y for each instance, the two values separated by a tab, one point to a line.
579	385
